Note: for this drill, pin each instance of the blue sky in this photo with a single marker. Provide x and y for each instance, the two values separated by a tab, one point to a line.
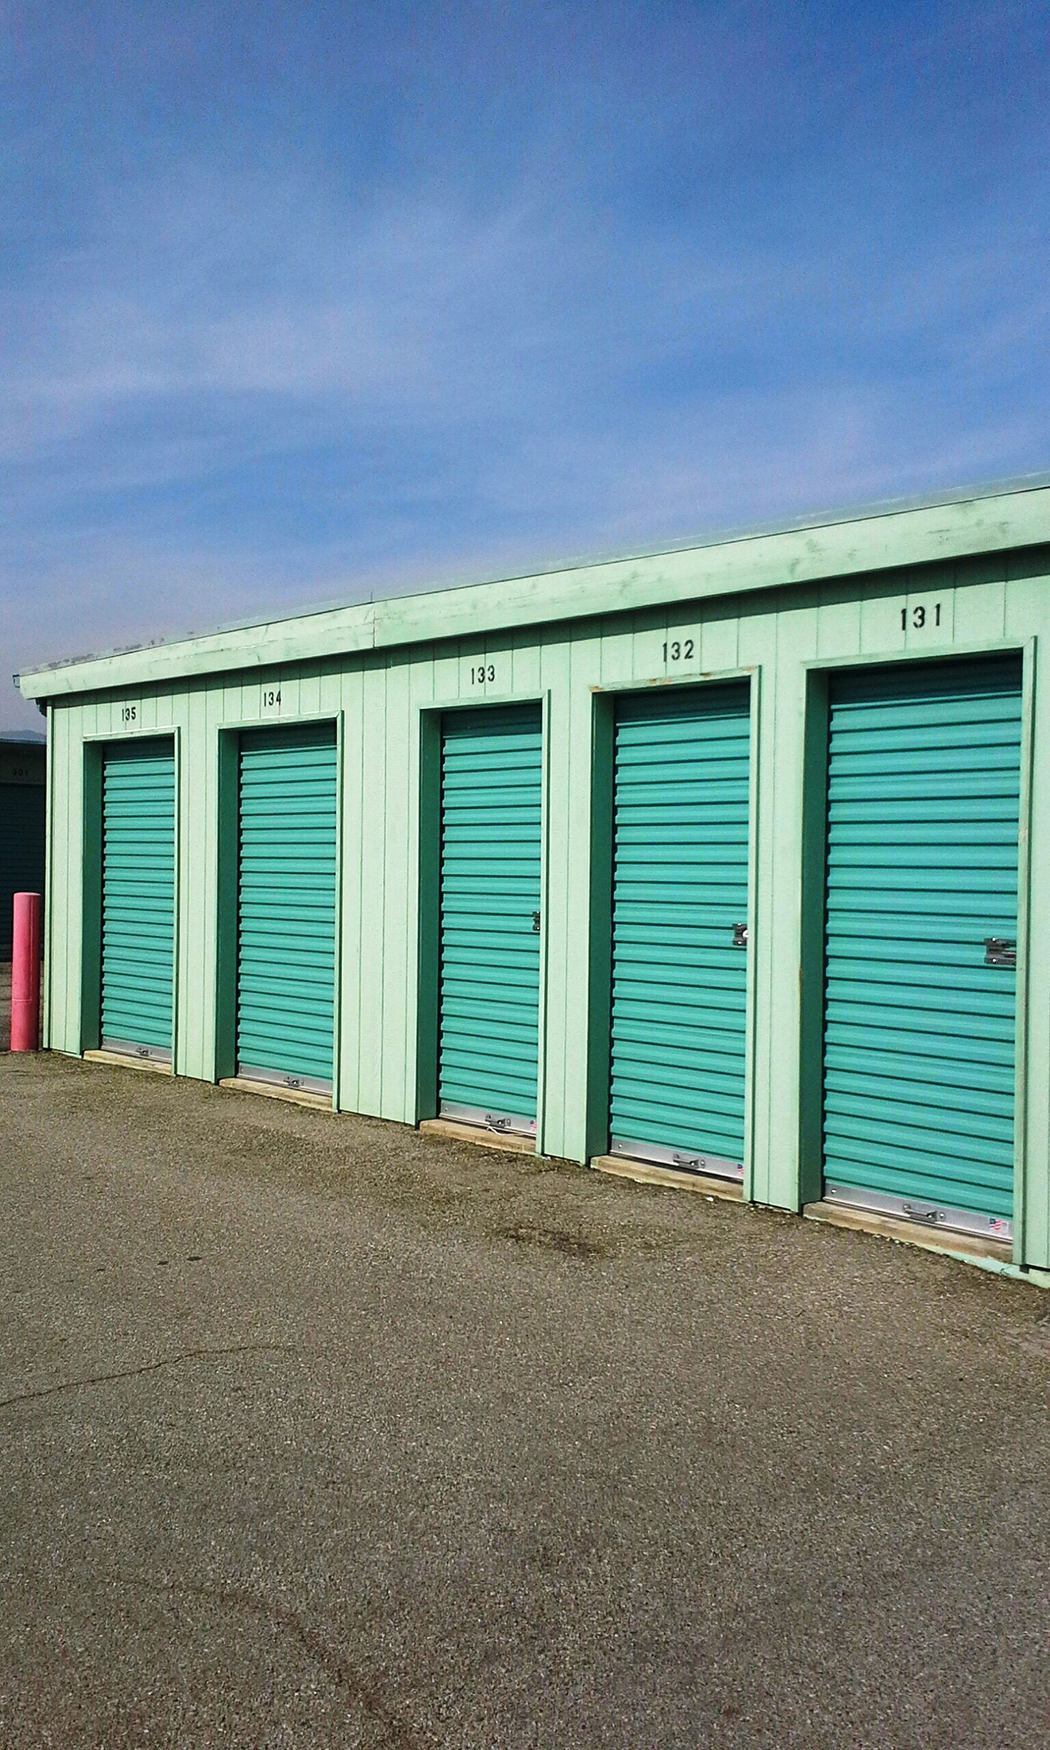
303	301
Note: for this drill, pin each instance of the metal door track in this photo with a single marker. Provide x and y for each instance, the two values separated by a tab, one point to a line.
942	1217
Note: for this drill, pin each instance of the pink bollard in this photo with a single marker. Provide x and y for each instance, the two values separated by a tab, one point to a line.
25	974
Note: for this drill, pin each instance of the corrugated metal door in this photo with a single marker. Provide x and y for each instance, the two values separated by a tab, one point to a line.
491	788
680	859
286	906
923	788
21	851
138	897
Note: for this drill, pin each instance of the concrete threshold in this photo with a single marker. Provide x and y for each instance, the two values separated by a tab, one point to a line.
506	1141
648	1173
910	1233
273	1091
120	1061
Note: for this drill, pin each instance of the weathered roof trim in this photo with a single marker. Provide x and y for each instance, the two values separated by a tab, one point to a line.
959	526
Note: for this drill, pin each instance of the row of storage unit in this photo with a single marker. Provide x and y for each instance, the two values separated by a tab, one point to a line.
611	851
921	919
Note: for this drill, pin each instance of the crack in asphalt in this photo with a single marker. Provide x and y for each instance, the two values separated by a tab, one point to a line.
366	1694
50	1391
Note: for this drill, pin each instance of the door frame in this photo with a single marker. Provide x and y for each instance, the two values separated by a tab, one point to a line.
227	769
94	746
599	995
428	881
814	866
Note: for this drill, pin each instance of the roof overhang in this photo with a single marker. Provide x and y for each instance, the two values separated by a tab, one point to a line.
992	521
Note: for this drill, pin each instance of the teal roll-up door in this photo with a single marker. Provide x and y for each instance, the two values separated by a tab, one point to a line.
21	851
286	906
138	897
922	877
491	787
680	860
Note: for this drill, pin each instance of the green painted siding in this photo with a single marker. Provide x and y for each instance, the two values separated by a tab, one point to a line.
286	905
923	801
138	896
491	827
786	639
679	987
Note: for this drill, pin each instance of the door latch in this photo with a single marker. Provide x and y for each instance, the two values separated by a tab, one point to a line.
999	951
739	935
535	923
922	1212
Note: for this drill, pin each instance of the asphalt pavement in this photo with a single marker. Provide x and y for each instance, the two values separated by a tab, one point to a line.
316	1431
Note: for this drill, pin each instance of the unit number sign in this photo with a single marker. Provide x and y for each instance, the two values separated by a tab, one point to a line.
920	616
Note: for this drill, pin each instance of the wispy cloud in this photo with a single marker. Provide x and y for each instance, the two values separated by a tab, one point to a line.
578	317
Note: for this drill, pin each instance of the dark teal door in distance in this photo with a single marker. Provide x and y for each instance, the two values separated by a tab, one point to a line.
679	965
922	880
138	897
286	906
22	838
491	798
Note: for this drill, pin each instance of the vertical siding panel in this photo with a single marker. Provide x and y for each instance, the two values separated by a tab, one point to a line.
201	715
397	885
614	653
446	664
81	722
719	643
373	861
980	613
205	719
647	633
60	929
330	704
420	676
771	1151
556	665
796	643
524	669
838	627
881	633
167	717
190	800
351	994
308	696
372	850
1027	615
571	1050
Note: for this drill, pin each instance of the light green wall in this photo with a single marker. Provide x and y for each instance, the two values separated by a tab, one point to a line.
782	639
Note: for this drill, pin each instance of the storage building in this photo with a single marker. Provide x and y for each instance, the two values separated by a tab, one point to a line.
719	865
23	776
